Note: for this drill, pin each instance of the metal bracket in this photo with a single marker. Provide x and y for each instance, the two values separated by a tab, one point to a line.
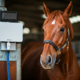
4	46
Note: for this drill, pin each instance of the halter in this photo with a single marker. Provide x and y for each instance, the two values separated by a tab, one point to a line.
59	49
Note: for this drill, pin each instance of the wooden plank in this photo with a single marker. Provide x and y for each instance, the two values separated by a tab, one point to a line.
3	70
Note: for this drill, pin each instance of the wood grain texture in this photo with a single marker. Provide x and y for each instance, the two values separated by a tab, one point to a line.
3	70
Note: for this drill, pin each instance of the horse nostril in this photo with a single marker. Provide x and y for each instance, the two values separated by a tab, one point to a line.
49	60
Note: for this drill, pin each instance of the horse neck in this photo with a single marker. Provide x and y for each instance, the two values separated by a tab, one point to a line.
67	60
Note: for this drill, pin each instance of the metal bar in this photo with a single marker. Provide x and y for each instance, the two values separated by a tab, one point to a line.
2	3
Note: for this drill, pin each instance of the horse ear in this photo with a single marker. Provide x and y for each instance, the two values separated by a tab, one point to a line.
45	10
68	10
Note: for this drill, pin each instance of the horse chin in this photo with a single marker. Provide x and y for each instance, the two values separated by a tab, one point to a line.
48	67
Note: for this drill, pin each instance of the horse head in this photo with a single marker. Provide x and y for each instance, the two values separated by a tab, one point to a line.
56	35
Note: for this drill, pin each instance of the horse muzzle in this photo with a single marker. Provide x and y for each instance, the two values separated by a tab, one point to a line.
49	62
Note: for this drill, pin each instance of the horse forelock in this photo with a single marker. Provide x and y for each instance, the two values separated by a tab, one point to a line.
55	14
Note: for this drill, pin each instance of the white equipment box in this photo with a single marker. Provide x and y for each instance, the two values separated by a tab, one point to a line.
11	32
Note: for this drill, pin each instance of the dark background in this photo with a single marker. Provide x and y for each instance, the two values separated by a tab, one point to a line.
30	13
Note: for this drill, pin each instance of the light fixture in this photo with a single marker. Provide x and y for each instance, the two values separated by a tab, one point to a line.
21	22
40	7
34	30
26	30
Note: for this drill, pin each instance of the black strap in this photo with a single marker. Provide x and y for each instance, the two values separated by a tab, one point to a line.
67	31
63	45
67	38
52	43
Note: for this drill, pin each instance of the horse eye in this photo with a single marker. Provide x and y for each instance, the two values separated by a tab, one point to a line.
62	29
53	17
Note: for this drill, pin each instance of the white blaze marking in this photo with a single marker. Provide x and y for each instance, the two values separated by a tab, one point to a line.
53	22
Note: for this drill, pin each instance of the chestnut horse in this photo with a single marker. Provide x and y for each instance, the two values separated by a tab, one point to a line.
31	60
58	60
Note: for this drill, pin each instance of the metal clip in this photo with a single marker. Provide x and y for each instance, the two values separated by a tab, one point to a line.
58	52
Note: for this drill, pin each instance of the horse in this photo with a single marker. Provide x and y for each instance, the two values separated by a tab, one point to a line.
56	60
30	60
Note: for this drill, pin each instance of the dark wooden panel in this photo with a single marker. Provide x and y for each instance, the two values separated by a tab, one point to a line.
3	70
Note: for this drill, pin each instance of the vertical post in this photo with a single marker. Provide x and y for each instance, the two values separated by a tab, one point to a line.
2	3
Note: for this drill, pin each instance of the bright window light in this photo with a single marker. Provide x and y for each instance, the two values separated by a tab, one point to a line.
75	19
43	16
